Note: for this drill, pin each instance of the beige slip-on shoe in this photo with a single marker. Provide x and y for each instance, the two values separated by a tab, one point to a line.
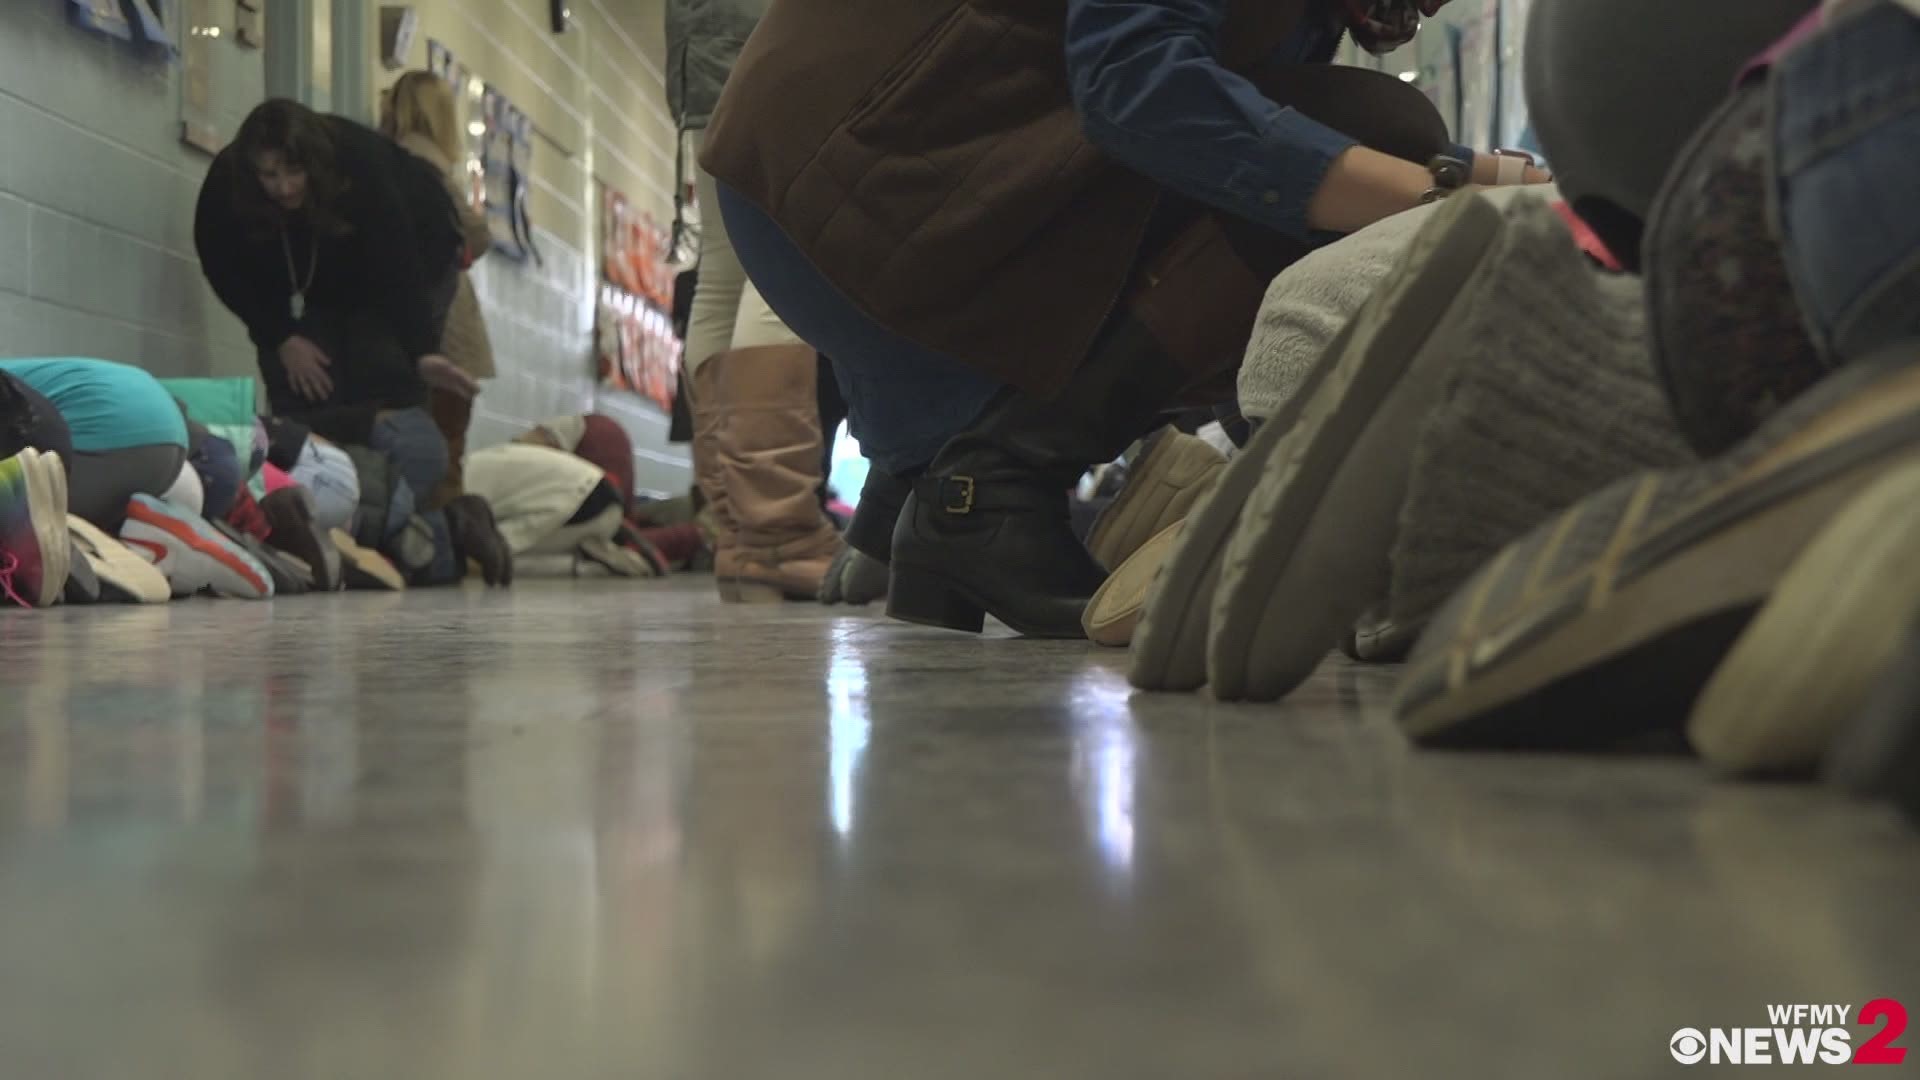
1173	473
1115	609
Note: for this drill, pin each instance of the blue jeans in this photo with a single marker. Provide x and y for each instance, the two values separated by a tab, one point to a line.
412	442
1846	146
214	458
904	401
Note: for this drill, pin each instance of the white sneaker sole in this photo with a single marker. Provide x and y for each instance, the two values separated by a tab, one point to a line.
1810	659
1303	567
47	504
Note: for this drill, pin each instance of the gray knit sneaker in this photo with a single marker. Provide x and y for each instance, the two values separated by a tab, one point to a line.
1549	409
1602	624
1516	383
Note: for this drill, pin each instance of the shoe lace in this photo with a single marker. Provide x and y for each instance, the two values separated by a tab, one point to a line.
10	565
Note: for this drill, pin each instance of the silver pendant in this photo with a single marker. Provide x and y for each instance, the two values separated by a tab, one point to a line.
298	305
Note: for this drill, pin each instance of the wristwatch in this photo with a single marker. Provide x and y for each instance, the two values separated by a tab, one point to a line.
1450	174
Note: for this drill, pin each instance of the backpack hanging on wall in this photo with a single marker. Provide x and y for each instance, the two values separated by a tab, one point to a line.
100	16
141	21
149	19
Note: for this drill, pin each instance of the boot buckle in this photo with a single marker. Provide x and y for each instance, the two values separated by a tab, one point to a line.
956	494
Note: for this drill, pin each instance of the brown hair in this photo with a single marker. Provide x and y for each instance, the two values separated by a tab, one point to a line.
421	103
301	136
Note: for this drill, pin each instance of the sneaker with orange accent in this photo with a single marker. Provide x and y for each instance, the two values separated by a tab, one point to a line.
191	553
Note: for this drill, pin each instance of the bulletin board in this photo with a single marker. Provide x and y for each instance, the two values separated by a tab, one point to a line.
633	327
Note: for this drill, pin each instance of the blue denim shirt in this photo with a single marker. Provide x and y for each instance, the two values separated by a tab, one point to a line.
1153	96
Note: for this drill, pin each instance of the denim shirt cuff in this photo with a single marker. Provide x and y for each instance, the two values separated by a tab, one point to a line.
1278	195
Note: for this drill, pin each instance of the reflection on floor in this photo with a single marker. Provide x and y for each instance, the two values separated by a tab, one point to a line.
587	831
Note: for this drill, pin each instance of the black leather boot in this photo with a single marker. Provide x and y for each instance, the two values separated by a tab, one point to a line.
871	531
986	530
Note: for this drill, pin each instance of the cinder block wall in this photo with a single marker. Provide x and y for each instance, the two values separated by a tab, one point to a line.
96	201
97	196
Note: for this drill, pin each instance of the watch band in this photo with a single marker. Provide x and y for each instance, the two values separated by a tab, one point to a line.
1511	166
1450	174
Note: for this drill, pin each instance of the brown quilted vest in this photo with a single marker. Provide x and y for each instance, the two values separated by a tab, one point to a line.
926	156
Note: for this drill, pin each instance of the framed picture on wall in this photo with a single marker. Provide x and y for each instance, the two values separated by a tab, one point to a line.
197	127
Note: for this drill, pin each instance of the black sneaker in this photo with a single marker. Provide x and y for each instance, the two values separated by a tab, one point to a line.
475	536
288	579
83	585
289	514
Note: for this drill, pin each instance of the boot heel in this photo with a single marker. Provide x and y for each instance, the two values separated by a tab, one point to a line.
921	598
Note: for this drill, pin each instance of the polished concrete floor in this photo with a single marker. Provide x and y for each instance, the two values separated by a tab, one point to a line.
583	830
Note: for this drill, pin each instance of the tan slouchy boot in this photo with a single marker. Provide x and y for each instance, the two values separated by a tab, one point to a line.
704	388
766	441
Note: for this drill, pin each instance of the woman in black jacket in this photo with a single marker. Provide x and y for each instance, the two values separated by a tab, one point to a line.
340	251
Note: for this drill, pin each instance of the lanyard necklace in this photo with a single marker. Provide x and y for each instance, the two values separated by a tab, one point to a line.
298	305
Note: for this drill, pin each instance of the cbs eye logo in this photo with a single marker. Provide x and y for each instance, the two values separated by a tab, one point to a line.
1688	1046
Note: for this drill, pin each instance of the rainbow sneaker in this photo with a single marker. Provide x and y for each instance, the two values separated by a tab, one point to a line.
34	550
191	553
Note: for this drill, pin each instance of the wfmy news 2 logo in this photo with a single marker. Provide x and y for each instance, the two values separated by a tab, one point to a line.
1801	1035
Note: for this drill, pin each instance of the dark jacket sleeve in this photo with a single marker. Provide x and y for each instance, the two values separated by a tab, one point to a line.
386	235
259	299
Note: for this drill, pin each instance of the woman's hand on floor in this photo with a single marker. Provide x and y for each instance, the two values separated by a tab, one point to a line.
441	373
306	368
